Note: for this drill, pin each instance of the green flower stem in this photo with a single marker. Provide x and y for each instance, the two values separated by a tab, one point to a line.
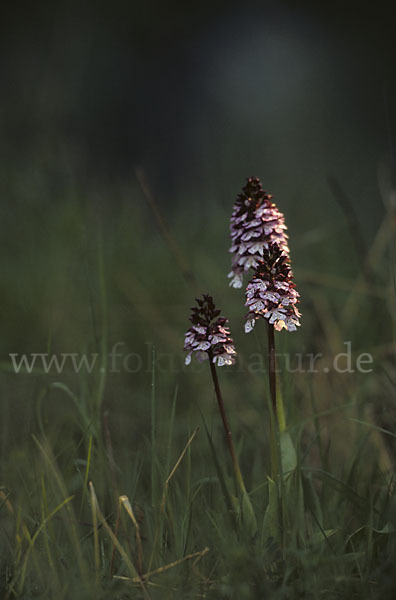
272	366
275	466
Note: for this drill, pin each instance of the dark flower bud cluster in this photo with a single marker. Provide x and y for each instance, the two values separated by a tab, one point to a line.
209	335
271	293
255	223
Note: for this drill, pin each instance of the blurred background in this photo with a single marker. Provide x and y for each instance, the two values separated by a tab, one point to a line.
126	131
199	95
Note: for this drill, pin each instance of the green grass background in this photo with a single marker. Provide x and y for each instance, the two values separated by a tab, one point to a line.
80	274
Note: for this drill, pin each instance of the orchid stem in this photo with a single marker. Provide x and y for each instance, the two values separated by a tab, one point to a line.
272	366
274	412
230	443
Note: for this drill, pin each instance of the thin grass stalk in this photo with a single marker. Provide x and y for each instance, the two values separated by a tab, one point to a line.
32	539
87	468
95	533
160	570
170	240
110	455
72	522
128	563
117	526
102	376
124	501
159	528
46	536
153	428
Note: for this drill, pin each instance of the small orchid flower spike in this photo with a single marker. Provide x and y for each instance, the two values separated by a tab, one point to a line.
271	293
209	335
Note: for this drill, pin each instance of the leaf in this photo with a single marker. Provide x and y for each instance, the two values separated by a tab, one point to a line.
322	536
248	517
388	528
271	521
288	453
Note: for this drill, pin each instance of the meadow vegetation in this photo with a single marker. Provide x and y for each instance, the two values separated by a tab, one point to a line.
117	483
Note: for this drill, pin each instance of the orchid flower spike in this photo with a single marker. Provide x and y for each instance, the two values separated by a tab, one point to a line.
271	293
255	223
209	335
